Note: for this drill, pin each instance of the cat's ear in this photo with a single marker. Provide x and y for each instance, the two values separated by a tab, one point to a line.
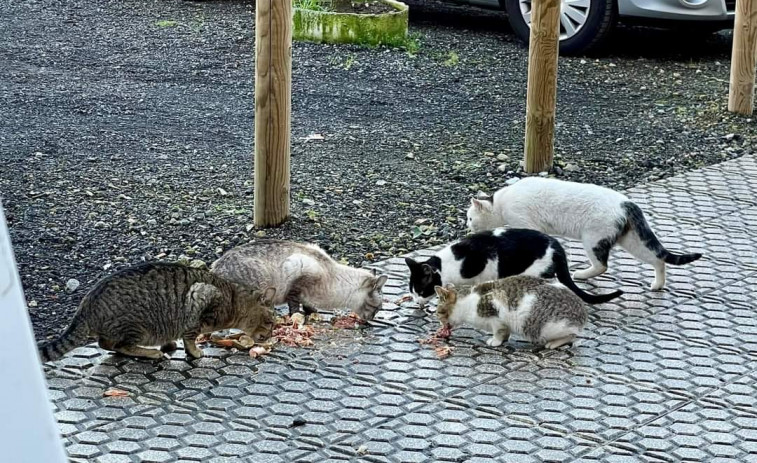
480	204
266	297
380	282
442	293
412	263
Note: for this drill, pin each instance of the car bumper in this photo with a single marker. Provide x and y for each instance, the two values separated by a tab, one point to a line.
678	10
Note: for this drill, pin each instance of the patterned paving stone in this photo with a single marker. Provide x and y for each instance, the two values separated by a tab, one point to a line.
707	321
657	360
447	432
668	209
655	377
698	432
569	401
724	181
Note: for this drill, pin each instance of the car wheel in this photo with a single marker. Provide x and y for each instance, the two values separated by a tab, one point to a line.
584	24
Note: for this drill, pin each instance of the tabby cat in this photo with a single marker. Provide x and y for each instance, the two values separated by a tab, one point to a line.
154	304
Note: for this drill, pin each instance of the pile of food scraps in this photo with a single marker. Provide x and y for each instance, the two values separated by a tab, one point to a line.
288	330
435	340
293	332
237	341
351	321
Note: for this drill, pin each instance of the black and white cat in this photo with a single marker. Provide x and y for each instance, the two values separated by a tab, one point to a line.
495	254
598	216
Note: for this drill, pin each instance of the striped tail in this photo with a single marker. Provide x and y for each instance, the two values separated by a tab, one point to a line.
639	224
75	335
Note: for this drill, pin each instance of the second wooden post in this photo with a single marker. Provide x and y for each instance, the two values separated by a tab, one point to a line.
542	85
743	56
273	102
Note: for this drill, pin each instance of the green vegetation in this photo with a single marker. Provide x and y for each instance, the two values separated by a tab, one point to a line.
166	23
366	29
452	59
314	5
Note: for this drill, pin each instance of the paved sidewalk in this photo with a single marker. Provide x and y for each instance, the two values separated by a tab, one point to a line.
666	376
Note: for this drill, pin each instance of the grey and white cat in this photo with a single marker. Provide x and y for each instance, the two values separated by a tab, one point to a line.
598	216
303	274
545	313
156	303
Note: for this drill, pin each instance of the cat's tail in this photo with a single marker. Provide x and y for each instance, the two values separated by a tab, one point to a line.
76	335
563	276
639	225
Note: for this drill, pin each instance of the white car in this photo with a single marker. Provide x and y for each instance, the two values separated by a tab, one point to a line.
585	23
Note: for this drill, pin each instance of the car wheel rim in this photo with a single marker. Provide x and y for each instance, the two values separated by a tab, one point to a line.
573	15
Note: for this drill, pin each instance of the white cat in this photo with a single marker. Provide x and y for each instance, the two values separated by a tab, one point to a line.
599	217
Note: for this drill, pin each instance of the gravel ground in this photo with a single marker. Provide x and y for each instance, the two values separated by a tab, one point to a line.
127	133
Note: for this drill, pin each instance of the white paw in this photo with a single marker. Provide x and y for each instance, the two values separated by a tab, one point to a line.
583	274
494	342
657	285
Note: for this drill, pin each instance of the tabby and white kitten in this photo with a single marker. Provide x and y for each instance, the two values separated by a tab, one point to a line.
303	274
490	255
599	217
544	313
156	303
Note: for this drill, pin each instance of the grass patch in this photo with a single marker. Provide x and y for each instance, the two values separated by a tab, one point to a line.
166	23
412	44
315	5
452	59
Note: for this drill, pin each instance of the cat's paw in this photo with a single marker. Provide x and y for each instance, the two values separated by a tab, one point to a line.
493	342
195	353
657	285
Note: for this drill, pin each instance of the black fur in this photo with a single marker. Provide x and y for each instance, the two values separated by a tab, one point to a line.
637	223
515	250
424	276
602	249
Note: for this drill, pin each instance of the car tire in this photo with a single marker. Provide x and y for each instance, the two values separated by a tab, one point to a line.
601	20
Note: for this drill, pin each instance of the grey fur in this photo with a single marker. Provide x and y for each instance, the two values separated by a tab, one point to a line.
154	304
302	274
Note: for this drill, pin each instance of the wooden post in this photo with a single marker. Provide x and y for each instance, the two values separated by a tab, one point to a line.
542	84
273	102
743	56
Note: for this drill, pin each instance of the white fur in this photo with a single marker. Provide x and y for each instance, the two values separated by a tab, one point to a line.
451	269
584	212
557	330
499	231
466	313
514	319
341	285
539	266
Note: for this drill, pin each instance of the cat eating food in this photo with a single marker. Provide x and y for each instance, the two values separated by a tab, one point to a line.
303	274
546	314
598	216
154	304
490	255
